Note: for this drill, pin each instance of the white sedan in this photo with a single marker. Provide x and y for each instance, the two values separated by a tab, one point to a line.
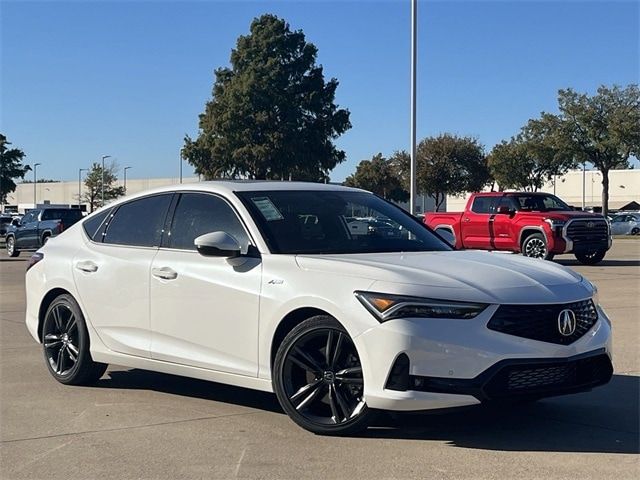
230	282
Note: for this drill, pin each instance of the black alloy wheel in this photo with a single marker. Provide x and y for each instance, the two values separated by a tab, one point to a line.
66	344
591	258
318	378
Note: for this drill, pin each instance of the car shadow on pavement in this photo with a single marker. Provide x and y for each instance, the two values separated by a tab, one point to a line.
190	387
603	263
605	420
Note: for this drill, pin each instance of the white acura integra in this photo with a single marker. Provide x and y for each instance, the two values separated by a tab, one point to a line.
338	301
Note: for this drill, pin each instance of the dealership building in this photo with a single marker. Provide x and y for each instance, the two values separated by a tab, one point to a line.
577	187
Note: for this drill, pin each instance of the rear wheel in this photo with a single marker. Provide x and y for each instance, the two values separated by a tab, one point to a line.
12	251
318	378
591	258
635	231
535	246
65	342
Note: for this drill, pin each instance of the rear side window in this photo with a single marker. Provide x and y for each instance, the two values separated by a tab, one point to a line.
139	222
68	216
200	213
484	204
94	222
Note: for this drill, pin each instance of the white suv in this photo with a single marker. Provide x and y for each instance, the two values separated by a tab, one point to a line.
278	286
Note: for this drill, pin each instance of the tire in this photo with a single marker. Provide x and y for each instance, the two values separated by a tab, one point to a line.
45	239
591	258
333	381
635	231
12	251
535	246
65	344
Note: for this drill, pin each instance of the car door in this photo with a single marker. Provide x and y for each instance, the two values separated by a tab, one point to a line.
25	232
619	225
112	271
204	309
501	225
475	222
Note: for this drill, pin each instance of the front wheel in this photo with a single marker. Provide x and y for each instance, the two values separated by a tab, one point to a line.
318	378
591	258
65	342
635	231
12	251
535	246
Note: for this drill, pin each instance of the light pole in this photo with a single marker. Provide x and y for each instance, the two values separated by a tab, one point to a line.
80	170
584	180
180	158
125	179
102	182
35	183
414	58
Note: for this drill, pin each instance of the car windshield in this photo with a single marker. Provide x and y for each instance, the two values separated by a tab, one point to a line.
335	222
540	203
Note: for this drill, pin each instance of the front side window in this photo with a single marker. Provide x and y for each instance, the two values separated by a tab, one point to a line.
335	222
541	203
139	222
200	213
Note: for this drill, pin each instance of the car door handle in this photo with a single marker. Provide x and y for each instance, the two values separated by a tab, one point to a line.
467	219
87	266
164	273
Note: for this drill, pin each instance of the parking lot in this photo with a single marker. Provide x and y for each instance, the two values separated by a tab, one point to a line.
137	424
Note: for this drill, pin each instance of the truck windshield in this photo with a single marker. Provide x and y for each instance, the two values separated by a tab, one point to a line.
539	203
335	222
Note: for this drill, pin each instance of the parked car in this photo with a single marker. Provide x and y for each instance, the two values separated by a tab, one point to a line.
37	226
223	281
625	224
5	221
538	225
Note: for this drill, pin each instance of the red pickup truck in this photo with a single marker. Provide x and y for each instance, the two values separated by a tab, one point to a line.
537	225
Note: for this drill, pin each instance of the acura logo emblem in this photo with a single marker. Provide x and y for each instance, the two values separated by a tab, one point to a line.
567	322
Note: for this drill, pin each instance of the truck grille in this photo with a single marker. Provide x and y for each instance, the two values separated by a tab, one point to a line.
540	322
588	231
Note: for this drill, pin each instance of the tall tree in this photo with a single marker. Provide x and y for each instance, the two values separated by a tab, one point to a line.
272	115
380	176
603	129
537	154
93	184
10	168
450	165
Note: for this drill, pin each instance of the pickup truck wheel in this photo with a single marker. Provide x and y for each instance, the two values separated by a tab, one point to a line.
591	258
45	239
12	251
535	246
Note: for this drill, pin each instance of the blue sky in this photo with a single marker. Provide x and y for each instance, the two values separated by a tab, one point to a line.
86	78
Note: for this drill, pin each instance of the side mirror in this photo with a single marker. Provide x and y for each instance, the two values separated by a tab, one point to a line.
504	210
447	235
217	244
15	222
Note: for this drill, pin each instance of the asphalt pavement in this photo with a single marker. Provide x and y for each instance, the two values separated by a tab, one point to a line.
138	424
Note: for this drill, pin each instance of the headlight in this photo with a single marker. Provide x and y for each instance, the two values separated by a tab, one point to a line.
595	297
386	307
555	223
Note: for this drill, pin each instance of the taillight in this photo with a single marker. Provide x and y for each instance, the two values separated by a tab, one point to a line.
60	227
35	258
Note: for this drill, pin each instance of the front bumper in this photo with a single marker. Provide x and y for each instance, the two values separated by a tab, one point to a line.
462	362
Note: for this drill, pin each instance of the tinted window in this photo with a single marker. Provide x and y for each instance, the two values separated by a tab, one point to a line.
199	213
540	203
484	204
27	218
334	222
94	222
139	222
68	216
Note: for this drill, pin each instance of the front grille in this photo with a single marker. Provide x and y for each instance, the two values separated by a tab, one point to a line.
538	379
540	322
588	231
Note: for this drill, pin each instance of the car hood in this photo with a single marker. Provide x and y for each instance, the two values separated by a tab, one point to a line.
458	275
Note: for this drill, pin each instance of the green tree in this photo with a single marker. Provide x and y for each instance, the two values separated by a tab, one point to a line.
603	129
10	168
380	176
272	115
450	165
93	184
